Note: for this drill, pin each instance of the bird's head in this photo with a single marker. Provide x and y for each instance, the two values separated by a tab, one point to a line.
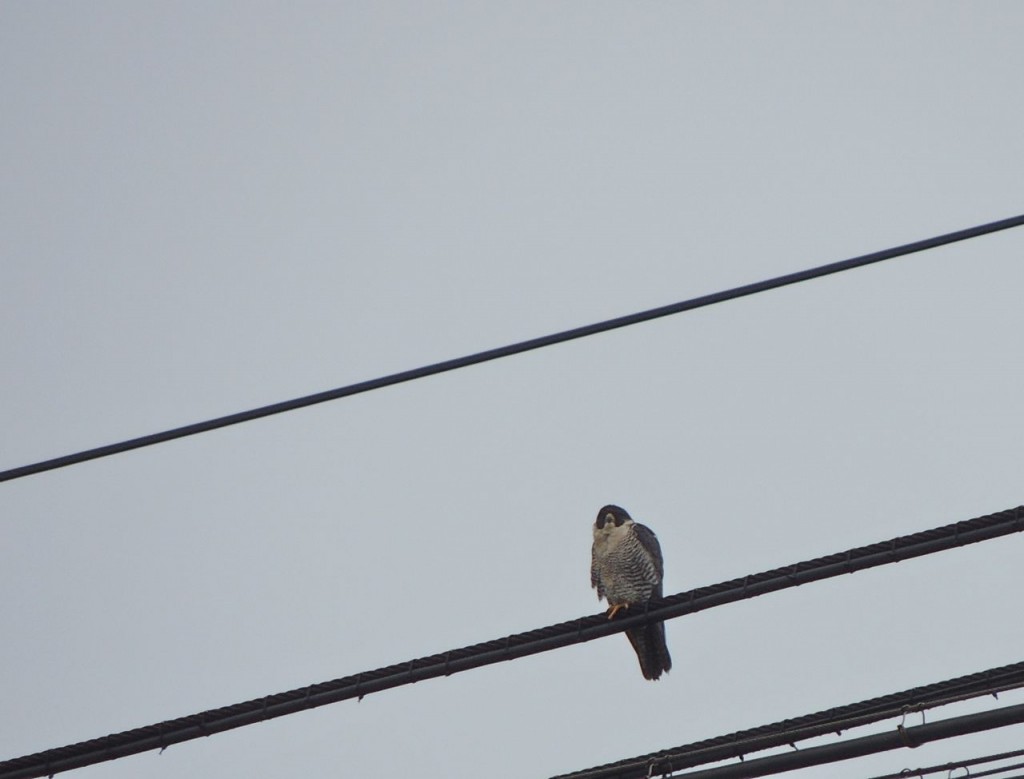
611	517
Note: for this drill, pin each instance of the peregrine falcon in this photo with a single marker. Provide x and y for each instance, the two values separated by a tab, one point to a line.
627	569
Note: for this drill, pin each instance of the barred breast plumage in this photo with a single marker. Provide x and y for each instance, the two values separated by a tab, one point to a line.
626	568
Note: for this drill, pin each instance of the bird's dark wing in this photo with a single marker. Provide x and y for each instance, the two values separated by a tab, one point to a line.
649	542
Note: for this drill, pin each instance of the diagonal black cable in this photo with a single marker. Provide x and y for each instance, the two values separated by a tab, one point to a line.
952	766
994	771
576	631
897	738
511	349
742	743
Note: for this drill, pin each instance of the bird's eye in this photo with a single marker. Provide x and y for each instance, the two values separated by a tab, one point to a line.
600	522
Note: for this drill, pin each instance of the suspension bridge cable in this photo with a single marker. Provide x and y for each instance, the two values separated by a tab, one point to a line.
511	349
576	631
866	745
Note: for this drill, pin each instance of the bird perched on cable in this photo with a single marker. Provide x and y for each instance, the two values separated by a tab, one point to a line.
626	568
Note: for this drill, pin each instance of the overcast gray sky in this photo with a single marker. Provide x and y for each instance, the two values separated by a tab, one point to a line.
206	207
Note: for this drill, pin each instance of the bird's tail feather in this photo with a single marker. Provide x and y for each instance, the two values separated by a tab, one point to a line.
650	647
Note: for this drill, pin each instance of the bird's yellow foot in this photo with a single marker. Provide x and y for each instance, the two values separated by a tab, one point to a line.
616	609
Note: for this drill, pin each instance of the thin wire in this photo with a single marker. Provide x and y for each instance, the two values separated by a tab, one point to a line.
576	631
866	745
511	349
951	766
739	745
787	732
1000	770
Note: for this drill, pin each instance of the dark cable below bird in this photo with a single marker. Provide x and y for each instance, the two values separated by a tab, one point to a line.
164	734
897	738
995	771
965	764
738	745
511	349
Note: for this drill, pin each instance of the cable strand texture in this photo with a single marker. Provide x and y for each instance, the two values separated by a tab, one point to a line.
513	646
